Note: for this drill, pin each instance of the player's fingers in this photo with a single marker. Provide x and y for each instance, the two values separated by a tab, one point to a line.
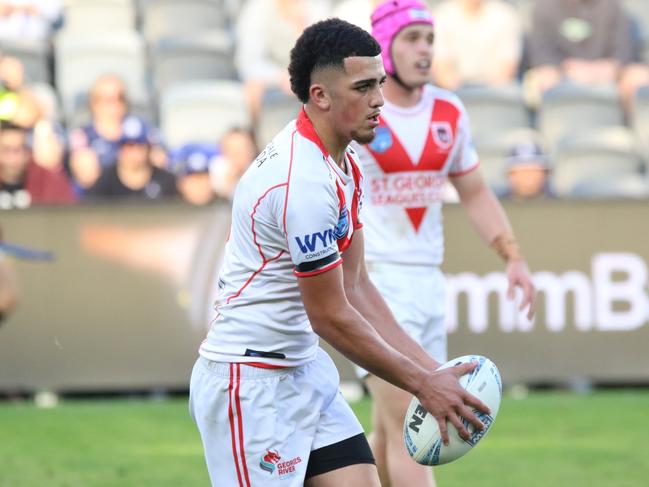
443	429
510	288
469	415
528	300
459	426
475	403
460	370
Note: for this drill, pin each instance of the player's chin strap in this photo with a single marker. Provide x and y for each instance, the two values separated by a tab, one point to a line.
507	247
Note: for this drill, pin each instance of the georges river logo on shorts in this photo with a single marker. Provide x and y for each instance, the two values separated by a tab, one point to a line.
271	460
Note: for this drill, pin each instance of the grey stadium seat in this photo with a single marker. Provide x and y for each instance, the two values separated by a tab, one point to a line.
35	56
202	111
277	109
595	158
493	152
628	186
568	109
205	56
99	15
82	58
492	110
640	118
165	18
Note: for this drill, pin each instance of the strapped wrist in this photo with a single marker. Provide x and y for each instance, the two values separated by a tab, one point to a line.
506	246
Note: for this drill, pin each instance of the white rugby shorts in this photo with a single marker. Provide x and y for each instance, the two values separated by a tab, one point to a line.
416	296
259	426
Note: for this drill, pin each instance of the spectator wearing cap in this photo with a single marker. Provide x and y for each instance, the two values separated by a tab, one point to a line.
237	151
528	173
94	146
134	176
191	164
24	183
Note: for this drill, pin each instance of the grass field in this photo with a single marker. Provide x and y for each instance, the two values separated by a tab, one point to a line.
546	439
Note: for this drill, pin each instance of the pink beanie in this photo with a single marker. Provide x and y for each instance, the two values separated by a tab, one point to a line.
390	18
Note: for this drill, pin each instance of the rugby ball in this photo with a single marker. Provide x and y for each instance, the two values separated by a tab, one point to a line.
420	429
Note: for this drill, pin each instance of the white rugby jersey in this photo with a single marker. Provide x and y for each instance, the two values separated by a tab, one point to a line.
294	212
405	168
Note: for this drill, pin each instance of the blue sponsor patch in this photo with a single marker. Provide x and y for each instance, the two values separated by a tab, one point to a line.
382	140
342	227
310	242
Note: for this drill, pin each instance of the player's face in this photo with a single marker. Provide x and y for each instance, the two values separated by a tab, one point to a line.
412	54
356	98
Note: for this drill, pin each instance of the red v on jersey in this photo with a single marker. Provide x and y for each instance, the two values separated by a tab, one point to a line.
391	156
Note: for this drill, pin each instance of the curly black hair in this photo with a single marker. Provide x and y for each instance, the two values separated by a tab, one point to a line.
326	44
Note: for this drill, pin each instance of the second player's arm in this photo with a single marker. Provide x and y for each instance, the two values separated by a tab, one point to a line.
489	219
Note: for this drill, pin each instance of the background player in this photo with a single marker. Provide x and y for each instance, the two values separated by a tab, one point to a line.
264	396
422	138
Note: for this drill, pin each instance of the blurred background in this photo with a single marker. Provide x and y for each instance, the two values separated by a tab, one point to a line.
126	124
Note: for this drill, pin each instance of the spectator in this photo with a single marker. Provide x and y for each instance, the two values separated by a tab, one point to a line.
528	171
191	164
28	19
266	32
586	42
478	42
238	150
134	176
94	146
23	182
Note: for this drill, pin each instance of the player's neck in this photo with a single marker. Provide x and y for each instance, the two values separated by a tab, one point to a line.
331	141
401	96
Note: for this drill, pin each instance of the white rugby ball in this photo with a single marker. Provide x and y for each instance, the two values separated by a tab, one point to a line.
420	429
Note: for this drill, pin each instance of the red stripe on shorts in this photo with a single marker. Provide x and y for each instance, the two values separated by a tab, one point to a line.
238	404
232	429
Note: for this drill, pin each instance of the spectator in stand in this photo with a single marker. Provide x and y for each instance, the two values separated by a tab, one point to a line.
94	146
22	182
586	42
477	42
28	19
134	176
191	164
265	33
237	151
528	173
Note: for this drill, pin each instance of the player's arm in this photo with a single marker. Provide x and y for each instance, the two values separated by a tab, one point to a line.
366	299
339	323
489	219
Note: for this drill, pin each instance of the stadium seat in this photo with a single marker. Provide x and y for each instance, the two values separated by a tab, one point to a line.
493	152
568	109
167	18
82	58
35	56
640	118
205	56
637	9
202	111
99	15
493	110
628	186
596	158
277	109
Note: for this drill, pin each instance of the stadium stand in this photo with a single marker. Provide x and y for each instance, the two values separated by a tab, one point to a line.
35	56
93	16
277	109
202	111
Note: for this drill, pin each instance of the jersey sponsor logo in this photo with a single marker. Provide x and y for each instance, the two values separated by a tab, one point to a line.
382	139
442	134
310	242
408	189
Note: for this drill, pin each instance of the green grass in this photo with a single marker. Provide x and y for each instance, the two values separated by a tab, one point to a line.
546	439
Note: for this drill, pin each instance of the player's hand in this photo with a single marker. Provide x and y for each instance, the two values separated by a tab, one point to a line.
443	397
518	275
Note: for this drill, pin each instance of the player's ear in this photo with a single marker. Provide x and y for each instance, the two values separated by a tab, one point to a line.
320	96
